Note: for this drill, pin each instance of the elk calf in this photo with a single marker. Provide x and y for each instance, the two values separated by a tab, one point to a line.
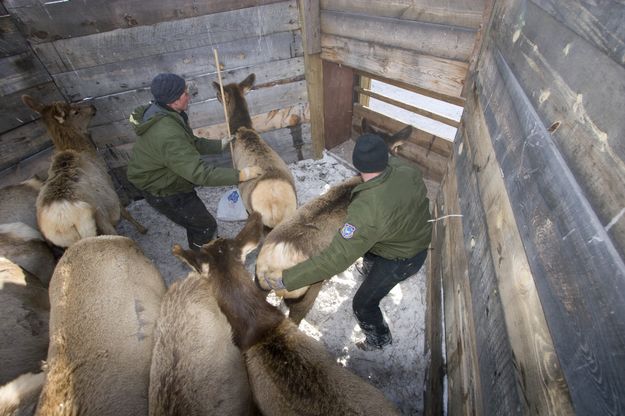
304	235
25	311
20	239
273	193
105	297
196	369
290	373
78	199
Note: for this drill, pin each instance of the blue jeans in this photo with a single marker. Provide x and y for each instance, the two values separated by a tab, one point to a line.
381	275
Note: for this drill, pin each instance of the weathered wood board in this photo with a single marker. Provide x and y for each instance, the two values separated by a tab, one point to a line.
461	13
12	42
573	86
14	113
138	73
464	385
433	402
593	21
579	273
48	21
431	73
338	98
252	24
22	142
117	107
424	38
537	371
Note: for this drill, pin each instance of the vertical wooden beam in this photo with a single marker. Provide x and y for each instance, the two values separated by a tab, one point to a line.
364	83
311	38
338	88
433	396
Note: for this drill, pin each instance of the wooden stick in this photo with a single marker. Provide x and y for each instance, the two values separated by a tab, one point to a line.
223	101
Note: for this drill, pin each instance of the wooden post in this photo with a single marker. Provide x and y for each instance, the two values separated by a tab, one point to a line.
311	38
338	91
223	101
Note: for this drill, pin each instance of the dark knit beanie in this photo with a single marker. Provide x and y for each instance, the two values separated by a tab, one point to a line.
167	88
370	154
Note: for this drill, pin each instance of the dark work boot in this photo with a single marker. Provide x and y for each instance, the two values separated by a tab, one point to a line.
373	342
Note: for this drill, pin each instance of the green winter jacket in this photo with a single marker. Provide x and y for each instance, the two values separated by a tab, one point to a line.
166	156
388	216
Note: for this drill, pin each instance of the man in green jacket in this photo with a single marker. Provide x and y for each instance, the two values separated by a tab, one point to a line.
166	165
387	224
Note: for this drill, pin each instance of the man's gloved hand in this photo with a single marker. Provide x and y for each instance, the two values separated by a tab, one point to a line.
274	283
250	172
226	141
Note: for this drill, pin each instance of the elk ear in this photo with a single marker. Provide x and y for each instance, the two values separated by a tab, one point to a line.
403	134
395	141
249	237
217	91
190	257
247	83
366	127
32	103
59	114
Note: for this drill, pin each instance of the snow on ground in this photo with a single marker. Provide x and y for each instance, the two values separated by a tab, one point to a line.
397	370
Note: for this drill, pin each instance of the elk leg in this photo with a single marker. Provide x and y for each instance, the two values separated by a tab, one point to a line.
104	224
126	215
299	308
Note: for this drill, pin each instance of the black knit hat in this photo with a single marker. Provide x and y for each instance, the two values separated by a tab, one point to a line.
167	88
370	154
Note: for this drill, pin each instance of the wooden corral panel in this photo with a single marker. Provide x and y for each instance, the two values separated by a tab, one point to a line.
422	43
464	384
539	171
47	21
577	89
461	13
87	59
441	75
338	101
423	38
12	42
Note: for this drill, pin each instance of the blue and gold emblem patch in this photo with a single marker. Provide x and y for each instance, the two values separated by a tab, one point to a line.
347	231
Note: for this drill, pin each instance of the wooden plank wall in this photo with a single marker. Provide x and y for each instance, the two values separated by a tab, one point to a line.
537	176
425	43
423	46
109	52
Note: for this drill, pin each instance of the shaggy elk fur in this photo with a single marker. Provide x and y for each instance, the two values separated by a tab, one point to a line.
290	373
105	297
25	311
309	231
20	240
196	369
19	397
273	193
301	236
78	199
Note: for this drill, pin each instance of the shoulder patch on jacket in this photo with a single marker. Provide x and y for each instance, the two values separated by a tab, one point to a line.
347	231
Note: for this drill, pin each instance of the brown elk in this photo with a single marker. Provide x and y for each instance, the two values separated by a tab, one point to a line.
290	373
301	236
309	231
78	199
273	193
20	240
196	369
105	297
25	311
19	397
